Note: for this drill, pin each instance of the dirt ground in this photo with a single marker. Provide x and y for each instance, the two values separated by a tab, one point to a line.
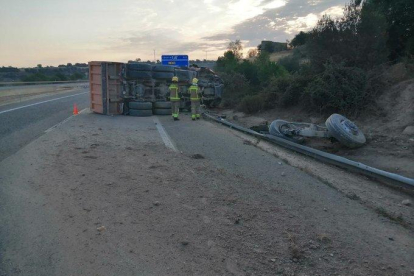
90	201
387	148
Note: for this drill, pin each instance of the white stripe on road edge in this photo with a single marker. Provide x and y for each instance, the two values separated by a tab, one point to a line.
20	107
64	121
164	136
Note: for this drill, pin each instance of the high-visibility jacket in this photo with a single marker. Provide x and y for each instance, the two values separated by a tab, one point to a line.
174	93
194	93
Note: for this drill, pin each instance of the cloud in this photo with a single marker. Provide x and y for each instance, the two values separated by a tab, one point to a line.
125	29
279	24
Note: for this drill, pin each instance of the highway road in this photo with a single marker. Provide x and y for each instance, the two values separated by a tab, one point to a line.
121	195
23	122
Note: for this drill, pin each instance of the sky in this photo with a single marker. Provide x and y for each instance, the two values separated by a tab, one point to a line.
53	32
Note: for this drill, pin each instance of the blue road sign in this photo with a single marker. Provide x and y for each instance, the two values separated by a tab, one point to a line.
175	60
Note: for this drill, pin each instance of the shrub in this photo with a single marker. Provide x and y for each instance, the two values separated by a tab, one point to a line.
275	90
290	63
236	87
252	103
294	92
338	89
266	69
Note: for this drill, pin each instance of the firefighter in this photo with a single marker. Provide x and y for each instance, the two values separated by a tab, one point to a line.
174	98
195	100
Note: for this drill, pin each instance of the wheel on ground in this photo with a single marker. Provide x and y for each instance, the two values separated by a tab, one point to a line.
280	129
345	131
138	67
140	105
138	75
162	111
163	68
140	113
162	105
162	75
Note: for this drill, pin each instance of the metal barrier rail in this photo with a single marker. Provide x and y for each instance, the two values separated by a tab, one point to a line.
392	178
40	82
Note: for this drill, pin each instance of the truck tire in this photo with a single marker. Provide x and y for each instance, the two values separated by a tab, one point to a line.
163	68
276	129
138	67
138	75
162	75
140	105
345	131
184	75
162	105
140	113
162	111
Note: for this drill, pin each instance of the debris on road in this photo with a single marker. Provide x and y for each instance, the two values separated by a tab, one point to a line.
406	202
101	229
197	156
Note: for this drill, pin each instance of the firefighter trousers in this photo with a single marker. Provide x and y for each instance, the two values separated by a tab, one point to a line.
195	109
175	108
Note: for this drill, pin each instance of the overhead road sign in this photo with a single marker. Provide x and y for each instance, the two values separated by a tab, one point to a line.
175	60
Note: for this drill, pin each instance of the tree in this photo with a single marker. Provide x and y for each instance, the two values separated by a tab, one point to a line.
252	53
236	48
400	24
228	62
39	66
69	65
300	39
138	60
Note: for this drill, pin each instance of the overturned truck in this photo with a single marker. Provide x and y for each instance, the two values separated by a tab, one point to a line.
141	89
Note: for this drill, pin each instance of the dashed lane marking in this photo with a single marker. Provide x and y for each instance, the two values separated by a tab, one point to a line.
64	121
164	135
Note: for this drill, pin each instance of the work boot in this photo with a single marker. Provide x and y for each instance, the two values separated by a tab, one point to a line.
198	118
193	119
176	119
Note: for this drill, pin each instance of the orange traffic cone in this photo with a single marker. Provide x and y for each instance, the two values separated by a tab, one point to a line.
75	109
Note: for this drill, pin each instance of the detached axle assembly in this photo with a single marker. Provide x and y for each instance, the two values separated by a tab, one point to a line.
336	126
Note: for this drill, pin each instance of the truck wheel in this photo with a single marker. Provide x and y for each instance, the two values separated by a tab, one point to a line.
138	75
162	111
163	75
162	105
163	68
138	67
140	113
184	75
277	127
345	131
140	105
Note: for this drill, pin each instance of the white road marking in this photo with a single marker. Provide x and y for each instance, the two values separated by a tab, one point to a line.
20	107
164	135
64	121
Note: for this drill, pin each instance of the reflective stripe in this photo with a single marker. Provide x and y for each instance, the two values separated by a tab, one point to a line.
174	94
194	95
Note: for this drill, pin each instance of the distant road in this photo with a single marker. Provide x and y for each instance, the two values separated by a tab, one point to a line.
23	122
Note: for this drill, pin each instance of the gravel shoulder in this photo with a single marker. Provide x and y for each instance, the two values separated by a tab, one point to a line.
102	195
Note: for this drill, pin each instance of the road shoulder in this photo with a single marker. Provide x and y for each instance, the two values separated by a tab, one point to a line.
103	195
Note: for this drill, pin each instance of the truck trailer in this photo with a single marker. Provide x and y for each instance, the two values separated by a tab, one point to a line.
141	89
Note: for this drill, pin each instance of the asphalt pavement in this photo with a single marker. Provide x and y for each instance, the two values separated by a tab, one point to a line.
23	122
119	172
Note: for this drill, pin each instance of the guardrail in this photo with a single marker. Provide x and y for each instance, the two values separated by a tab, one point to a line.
395	179
40	82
